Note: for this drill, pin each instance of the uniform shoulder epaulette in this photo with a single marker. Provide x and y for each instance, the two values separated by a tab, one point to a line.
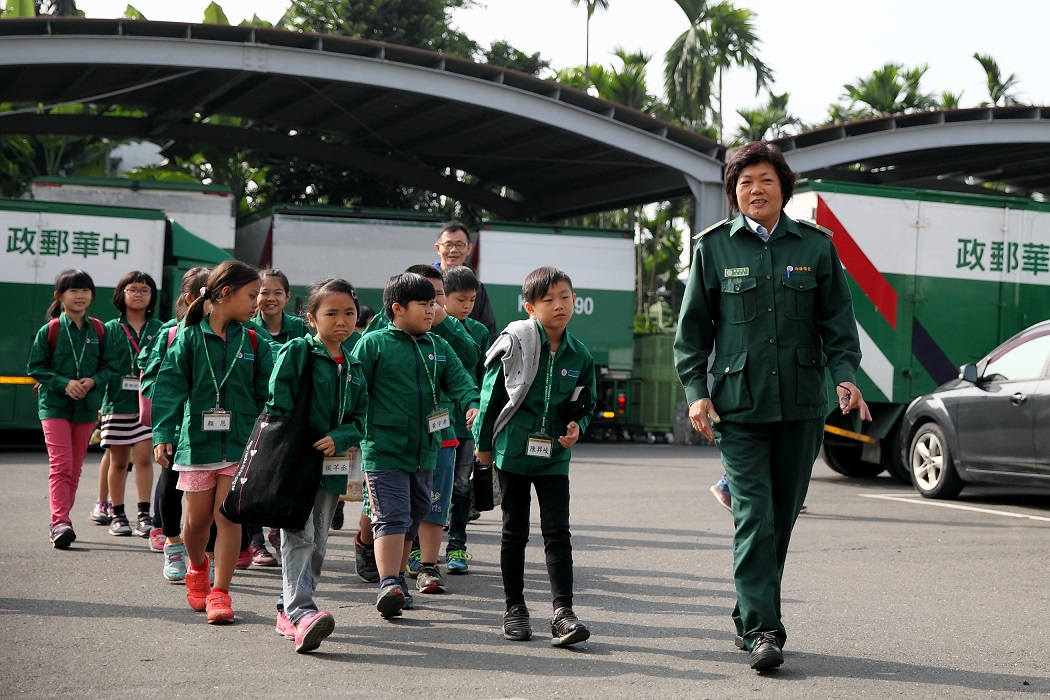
710	228
816	227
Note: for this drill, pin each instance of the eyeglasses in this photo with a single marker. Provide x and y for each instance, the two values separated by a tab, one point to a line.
138	291
458	245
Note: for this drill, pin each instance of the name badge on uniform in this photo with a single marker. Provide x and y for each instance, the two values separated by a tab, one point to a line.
130	383
540	446
737	271
438	420
216	421
336	465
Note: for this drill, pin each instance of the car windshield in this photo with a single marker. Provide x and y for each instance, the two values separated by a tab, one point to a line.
1024	361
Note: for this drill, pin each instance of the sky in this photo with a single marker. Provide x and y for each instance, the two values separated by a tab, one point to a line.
813	46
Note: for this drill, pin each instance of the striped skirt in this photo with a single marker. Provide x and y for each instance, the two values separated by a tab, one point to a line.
123	429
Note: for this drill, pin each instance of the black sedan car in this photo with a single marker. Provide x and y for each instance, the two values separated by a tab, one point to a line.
991	425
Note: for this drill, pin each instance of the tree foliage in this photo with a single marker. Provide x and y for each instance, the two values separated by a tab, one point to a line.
892	89
506	56
769	121
999	88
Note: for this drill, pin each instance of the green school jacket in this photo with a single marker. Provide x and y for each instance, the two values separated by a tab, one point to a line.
291	327
184	391
400	399
152	355
117	399
454	332
776	333
573	366
54	370
336	389
479	333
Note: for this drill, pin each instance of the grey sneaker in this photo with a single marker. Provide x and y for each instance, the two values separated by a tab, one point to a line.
566	629
410	602
62	535
516	625
120	527
102	513
143	525
429	580
391	599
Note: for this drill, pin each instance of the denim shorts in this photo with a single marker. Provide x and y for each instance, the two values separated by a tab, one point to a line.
443	476
399	500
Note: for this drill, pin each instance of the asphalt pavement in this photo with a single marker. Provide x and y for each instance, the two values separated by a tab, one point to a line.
885	595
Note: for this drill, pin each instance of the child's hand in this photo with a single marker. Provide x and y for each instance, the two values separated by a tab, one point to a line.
75	390
88	384
162	453
483	457
326	445
572	434
471	415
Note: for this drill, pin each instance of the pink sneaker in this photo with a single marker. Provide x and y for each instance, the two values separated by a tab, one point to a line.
220	609
310	630
260	556
157	539
244	559
284	627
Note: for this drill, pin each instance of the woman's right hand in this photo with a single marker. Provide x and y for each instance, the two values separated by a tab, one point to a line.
162	453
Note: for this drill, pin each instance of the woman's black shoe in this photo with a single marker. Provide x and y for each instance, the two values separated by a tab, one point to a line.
566	629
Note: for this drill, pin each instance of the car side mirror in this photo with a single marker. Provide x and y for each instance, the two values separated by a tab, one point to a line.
968	373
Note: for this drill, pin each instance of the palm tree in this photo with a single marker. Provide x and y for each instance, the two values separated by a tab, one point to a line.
892	89
720	36
998	89
951	100
770	121
592	5
627	85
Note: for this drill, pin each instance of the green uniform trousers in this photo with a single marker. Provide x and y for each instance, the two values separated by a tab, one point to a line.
769	466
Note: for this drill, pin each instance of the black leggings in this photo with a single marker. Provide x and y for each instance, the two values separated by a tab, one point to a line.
167	503
552	493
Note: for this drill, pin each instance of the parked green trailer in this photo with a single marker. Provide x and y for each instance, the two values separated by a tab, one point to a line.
938	279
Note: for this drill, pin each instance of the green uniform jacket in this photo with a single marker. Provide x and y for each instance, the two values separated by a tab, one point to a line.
573	366
117	399
54	370
400	399
152	355
337	406
774	331
291	327
184	391
480	335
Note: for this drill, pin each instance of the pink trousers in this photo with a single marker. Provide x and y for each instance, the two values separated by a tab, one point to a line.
67	444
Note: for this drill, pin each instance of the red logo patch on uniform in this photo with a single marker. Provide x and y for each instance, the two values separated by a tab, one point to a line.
564	372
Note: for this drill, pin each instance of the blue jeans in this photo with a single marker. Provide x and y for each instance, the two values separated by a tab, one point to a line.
457	524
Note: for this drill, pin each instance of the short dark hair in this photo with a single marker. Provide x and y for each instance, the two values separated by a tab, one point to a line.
752	154
365	316
404	289
460	279
132	277
66	280
325	288
428	271
454	226
540	280
274	272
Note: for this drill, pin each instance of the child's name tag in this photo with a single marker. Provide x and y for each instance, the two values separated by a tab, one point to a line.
539	446
438	420
336	465
130	383
217	421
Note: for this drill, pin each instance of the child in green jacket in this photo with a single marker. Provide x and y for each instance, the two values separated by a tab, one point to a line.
405	368
213	383
536	370
337	410
73	363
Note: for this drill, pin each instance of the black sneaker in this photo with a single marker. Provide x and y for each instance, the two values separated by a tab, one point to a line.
391	599
337	517
120	526
516	625
143	525
365	558
429	580
566	629
62	535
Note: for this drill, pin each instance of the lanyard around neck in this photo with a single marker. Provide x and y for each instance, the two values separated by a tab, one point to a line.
430	377
547	394
217	384
78	360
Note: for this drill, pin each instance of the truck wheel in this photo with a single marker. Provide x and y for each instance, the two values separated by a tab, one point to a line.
930	464
845	459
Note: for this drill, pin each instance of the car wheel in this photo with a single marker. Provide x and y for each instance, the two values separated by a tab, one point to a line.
844	458
930	462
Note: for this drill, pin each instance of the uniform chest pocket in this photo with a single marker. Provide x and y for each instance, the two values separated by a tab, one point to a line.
799	294
739	299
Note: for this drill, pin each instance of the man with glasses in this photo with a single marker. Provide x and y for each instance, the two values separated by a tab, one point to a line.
454	248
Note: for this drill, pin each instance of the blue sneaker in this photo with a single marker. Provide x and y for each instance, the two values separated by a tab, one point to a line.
456	561
409	600
415	562
175	563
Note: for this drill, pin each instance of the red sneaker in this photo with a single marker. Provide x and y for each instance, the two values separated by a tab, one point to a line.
244	559
198	587
220	610
284	626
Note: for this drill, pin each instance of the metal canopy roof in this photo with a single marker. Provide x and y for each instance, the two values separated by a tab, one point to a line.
530	149
956	150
